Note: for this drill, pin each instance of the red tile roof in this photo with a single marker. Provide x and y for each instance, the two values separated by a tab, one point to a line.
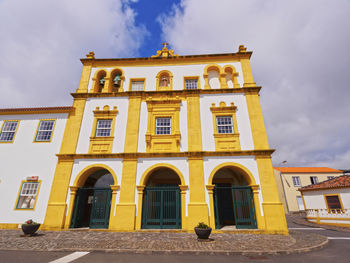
37	110
337	182
307	170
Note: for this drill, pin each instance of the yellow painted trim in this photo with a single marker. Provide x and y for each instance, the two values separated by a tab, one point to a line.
329	218
35	111
137	79
37	129
247	73
14	136
340	201
96	88
206	75
192	77
170	75
8	226
169	108
102	144
225	141
234	75
248	175
19	192
87	171
157	166
194	130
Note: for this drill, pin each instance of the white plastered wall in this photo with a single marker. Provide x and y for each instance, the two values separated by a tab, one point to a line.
244	130
24	158
315	199
122	105
178	71
249	162
116	165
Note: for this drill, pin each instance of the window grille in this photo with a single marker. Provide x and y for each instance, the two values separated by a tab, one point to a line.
191	84
163	125
224	124
137	85
8	131
103	128
45	131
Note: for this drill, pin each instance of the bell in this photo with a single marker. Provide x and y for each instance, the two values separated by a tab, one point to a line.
116	80
102	81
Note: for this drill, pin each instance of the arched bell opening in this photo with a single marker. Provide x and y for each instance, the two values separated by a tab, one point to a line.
99	81
116	81
233	199
161	207
92	202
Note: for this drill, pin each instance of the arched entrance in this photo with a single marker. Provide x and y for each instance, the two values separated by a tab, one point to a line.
233	199
161	208
93	200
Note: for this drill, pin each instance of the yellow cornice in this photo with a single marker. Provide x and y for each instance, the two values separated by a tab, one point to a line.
135	156
173	93
21	111
175	60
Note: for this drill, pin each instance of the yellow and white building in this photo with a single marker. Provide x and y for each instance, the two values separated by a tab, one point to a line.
162	142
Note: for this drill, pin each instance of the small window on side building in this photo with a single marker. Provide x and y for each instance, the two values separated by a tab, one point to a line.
313	179
296	181
333	203
330	177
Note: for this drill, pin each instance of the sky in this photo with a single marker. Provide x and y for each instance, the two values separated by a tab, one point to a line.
301	57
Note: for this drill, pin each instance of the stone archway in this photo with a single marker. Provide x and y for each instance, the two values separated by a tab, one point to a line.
92	198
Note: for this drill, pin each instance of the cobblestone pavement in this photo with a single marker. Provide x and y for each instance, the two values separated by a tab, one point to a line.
300	218
163	242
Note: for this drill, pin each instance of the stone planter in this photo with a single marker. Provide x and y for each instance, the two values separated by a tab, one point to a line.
202	233
30	229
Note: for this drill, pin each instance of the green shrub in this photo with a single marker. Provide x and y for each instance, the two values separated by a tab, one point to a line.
202	225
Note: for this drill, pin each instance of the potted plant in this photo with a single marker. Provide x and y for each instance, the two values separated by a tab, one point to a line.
202	230
30	227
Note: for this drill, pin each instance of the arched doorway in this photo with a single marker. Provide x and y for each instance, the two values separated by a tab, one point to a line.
161	200
233	199
93	201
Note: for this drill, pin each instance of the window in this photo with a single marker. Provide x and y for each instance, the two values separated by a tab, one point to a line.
330	177
300	203
45	130
137	85
313	179
333	202
296	181
103	128
163	125
224	124
191	83
8	131
27	195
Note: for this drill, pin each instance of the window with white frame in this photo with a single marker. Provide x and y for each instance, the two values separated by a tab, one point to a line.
163	126
27	195
191	83
296	181
313	179
103	128
45	130
137	85
8	131
224	124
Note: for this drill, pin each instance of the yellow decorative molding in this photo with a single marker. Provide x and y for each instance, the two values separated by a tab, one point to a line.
163	108
225	141
102	144
165	52
164	81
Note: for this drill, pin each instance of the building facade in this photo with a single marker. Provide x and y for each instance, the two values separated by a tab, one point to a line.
163	142
290	179
328	202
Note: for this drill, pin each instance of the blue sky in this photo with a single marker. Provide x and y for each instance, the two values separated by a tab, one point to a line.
300	57
147	13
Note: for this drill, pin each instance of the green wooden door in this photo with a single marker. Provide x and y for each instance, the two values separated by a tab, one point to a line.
244	209
101	204
161	207
79	208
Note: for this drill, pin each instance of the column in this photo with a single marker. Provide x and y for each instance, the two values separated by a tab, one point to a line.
210	189
112	218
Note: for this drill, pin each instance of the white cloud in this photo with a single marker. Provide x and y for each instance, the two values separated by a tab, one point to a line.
42	41
301	58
